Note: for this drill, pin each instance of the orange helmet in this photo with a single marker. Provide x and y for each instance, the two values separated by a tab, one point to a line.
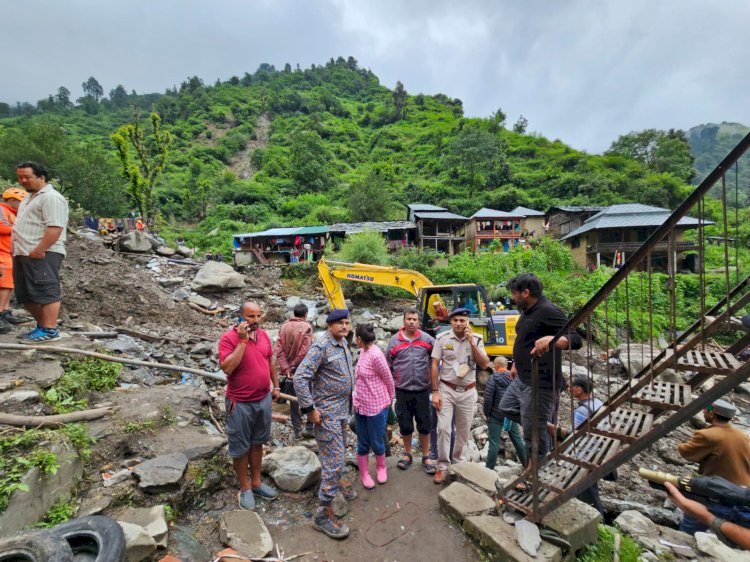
14	193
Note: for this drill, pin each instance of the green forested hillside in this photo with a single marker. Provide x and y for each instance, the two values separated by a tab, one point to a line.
709	144
319	145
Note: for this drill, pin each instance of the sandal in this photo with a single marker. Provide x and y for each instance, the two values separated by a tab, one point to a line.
523	486
405	462
429	467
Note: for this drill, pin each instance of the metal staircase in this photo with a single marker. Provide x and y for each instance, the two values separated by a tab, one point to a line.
648	405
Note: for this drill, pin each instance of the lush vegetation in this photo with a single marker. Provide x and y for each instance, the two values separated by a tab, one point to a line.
312	146
604	549
81	376
25	449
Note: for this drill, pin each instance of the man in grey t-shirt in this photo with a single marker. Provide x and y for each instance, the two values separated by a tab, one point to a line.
39	236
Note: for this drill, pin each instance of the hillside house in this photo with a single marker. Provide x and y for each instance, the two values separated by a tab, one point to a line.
438	229
532	223
611	235
561	221
280	245
488	225
397	234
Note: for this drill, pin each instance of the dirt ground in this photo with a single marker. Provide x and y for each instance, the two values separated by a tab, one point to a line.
398	521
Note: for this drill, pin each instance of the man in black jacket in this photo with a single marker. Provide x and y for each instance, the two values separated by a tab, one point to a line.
540	321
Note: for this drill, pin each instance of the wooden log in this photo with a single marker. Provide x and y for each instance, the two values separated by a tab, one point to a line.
96	335
54	421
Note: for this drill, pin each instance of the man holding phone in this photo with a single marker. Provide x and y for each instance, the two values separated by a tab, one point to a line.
245	355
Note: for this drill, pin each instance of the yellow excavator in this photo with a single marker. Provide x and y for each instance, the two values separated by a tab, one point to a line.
434	302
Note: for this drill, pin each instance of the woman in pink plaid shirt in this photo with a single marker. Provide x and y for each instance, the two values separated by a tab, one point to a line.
372	397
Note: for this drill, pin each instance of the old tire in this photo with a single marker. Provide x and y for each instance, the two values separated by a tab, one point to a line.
94	538
35	547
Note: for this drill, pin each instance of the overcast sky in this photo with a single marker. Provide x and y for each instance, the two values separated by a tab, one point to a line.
583	71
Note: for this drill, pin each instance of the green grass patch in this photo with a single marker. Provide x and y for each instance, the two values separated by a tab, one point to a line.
81	376
603	550
58	513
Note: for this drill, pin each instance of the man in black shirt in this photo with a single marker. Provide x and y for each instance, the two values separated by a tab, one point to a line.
540	321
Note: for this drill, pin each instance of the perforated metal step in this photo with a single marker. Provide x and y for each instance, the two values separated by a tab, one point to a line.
708	361
625	425
664	395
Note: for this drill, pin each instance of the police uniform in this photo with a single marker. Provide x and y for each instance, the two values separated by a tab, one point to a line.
458	393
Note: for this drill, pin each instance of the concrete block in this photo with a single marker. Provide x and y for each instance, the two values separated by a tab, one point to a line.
497	540
475	475
576	522
458	501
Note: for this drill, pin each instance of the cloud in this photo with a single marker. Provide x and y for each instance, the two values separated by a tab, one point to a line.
583	71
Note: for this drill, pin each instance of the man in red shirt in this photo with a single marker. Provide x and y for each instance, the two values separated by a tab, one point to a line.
295	337
245	354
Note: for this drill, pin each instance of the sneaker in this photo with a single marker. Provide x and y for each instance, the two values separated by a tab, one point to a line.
41	335
27	333
266	491
246	499
5	326
326	522
7	315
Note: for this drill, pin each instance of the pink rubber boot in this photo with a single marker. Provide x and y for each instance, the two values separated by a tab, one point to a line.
363	462
380	471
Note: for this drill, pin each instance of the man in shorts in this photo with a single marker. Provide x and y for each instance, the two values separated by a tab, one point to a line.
408	357
245	355
39	236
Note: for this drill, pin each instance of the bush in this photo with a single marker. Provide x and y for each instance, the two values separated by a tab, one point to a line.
365	247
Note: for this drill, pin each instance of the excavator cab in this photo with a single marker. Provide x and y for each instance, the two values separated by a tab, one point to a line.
497	327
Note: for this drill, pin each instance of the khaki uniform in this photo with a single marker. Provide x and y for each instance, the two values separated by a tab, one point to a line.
457	367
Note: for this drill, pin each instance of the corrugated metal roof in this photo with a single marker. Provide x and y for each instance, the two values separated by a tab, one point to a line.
571	209
526	212
382	226
312	230
630	215
445	216
425	207
485	213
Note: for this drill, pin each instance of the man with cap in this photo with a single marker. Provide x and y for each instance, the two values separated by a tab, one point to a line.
720	450
323	382
12	198
455	357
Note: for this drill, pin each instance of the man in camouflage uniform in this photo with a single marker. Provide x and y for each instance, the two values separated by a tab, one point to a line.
323	383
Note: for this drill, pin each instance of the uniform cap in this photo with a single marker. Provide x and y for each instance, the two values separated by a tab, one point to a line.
336	315
459	312
14	193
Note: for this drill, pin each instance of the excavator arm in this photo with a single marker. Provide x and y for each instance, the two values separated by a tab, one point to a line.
331	272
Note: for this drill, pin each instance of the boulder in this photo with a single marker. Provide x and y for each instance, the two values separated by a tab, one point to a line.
136	242
185	251
217	276
124	344
708	544
165	251
18	397
245	532
139	545
471	451
152	519
26	508
636	356
459	501
292	468
200	301
180	295
111	479
184	545
161	473
202	348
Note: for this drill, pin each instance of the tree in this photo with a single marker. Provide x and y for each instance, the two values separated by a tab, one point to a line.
62	99
474	154
497	120
660	151
521	125
142	161
93	89
119	96
310	162
368	200
399	101
364	247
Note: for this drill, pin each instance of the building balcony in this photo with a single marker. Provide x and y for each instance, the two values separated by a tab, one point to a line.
630	247
503	234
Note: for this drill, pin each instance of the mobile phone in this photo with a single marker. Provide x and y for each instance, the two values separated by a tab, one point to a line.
240	320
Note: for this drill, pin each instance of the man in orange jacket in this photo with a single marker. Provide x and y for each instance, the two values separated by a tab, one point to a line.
12	198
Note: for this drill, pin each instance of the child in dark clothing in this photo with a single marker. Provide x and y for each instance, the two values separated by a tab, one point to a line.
493	395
